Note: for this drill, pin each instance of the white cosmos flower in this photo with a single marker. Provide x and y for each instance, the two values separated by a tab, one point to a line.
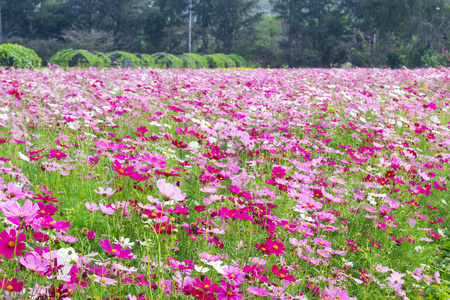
24	157
201	269
125	242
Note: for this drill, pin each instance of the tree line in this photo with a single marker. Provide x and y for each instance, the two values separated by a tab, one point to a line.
268	33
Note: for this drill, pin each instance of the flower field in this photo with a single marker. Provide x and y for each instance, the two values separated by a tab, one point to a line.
324	184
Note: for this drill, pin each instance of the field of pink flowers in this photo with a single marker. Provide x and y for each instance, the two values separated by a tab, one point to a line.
224	184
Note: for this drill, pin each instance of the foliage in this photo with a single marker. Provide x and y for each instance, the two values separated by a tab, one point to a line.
239	60
166	60
189	62
297	33
146	60
89	40
221	184
215	61
81	58
201	61
394	60
17	56
119	57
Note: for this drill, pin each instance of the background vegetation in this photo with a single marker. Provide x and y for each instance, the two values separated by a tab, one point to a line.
269	33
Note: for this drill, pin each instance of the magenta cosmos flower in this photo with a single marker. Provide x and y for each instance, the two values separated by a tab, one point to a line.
11	285
231	294
11	243
116	250
169	191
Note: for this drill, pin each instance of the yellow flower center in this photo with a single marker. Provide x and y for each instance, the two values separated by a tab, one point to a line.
113	250
229	294
232	276
11	244
42	211
121	171
206	286
282	275
103	280
275	247
9	287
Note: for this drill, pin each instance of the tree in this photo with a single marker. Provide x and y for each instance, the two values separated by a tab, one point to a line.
175	13
203	12
231	16
17	17
51	19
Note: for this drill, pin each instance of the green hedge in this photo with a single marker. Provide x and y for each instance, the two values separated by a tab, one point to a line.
240	61
79	58
166	60
103	57
17	56
201	61
146	60
120	56
189	62
229	62
215	61
83	58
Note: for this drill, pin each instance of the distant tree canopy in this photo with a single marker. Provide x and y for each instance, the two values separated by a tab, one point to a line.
294	33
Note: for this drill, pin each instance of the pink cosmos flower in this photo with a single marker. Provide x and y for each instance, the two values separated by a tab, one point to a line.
33	263
108	209
14	191
396	280
91	207
105	281
12	209
333	292
165	285
322	242
417	274
108	192
169	191
11	244
44	189
155	160
234	275
257	291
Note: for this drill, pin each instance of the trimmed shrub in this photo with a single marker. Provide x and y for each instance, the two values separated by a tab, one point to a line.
165	61
146	60
103	57
200	60
12	55
215	61
189	62
79	58
120	56
229	62
240	61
